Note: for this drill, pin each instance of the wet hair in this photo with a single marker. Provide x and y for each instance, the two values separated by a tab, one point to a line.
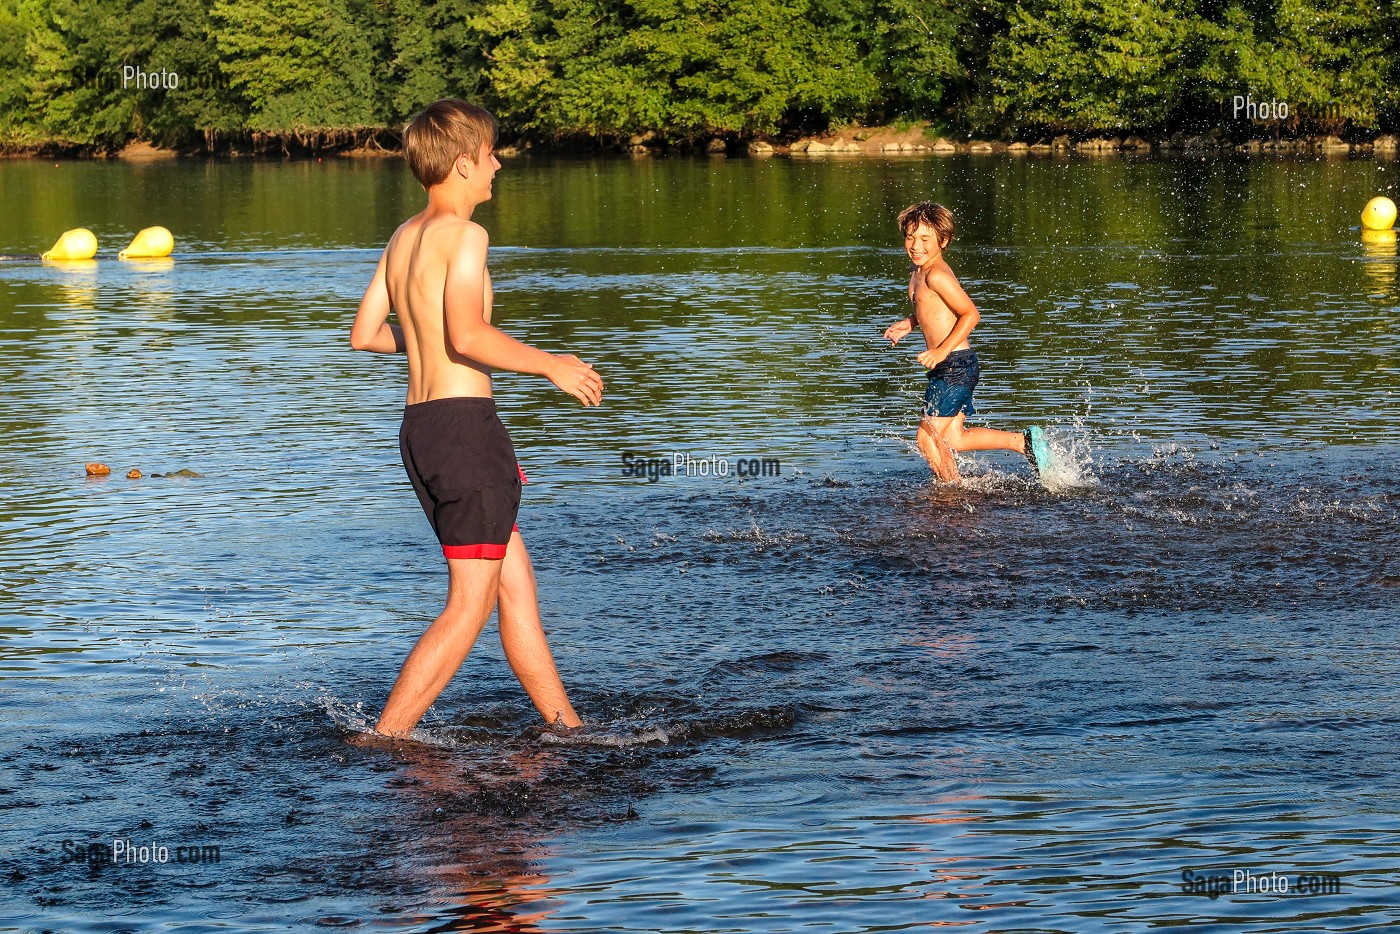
445	129
934	215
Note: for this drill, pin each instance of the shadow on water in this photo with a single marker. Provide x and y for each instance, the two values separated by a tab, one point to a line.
311	817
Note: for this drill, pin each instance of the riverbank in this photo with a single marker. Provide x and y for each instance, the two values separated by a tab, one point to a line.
917	139
884	141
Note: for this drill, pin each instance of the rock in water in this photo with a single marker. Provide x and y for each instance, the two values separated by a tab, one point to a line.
134	474
97	470
182	472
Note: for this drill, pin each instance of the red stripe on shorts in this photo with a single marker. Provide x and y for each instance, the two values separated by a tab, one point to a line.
494	552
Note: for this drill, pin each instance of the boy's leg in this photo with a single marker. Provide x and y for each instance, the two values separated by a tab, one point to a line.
961	438
523	638
936	450
471	594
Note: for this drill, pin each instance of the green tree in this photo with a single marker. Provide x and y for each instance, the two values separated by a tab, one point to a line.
74	93
910	47
15	68
177	35
1308	53
305	67
433	50
684	68
1088	65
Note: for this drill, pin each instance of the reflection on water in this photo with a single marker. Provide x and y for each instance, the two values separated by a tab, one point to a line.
1379	249
837	699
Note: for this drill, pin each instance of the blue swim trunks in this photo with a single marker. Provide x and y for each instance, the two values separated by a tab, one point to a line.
950	385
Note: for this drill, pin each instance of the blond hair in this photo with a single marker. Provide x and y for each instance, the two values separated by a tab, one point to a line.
445	129
934	215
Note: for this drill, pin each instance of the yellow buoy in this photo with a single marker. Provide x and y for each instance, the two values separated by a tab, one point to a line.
78	243
150	243
1379	214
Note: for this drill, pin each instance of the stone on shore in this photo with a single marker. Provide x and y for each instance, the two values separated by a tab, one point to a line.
1097	145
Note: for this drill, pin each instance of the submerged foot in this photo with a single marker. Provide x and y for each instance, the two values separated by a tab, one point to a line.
370	738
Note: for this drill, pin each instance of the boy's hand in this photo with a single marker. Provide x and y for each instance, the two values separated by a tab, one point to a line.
932	357
577	379
900	329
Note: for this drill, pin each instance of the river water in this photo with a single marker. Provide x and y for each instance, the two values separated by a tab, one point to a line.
842	698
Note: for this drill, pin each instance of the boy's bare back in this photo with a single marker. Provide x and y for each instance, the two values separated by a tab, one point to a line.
433	275
426	260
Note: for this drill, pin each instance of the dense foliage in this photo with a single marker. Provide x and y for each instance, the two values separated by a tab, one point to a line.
318	72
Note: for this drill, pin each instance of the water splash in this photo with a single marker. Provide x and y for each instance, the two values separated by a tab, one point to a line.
598	736
347	717
1071	468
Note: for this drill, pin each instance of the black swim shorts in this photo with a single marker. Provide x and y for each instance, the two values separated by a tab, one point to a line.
462	465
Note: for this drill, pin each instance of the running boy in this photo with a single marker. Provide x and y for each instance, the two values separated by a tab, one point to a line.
947	316
457	453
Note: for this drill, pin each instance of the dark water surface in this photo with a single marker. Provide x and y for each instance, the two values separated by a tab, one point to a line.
839	699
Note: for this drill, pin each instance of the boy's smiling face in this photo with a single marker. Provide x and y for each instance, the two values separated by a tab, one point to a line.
922	244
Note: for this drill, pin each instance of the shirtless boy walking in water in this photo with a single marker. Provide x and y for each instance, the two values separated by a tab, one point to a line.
947	316
457	453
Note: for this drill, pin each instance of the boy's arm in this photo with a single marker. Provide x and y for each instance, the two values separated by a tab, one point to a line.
471	335
372	330
948	288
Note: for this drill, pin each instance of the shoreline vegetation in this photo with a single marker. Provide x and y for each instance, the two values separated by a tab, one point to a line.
281	78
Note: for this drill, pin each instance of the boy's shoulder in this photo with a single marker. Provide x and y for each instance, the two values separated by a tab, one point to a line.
936	271
448	232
